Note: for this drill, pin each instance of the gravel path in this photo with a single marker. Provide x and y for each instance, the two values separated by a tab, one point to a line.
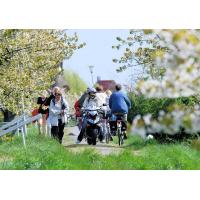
70	137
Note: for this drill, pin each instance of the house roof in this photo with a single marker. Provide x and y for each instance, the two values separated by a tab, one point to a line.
107	84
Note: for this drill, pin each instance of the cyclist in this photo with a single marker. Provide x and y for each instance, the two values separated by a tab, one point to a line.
108	115
101	95
108	94
119	104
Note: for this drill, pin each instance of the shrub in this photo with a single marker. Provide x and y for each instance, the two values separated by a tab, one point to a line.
142	106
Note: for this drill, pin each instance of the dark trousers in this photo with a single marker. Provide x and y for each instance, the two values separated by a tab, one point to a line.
57	132
84	124
81	134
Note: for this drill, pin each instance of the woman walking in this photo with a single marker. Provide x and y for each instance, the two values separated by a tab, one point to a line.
52	96
43	109
58	115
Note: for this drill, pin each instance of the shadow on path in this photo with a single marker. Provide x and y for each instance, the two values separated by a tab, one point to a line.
98	145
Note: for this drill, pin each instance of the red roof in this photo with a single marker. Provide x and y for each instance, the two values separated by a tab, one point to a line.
107	84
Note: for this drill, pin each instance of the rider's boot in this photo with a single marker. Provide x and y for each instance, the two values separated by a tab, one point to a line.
80	137
125	136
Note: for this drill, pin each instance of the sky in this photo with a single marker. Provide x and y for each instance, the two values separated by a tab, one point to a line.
99	53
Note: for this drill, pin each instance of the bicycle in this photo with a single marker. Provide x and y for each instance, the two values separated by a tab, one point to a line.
120	128
106	129
105	124
120	133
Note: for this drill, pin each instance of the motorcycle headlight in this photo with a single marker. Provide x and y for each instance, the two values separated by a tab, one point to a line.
93	116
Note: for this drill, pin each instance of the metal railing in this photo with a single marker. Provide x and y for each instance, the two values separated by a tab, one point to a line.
5	125
17	124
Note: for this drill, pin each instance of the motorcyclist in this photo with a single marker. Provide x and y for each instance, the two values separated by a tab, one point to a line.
119	104
78	105
90	101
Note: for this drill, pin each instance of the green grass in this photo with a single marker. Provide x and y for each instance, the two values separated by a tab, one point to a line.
45	153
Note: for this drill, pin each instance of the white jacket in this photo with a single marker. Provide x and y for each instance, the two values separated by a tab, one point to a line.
55	111
107	103
89	102
101	96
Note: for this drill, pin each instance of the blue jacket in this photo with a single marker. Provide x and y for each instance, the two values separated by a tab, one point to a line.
119	102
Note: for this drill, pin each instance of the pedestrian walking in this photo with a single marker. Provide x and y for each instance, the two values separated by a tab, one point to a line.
58	115
43	109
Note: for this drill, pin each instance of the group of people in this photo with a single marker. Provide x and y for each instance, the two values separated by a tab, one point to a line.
54	109
116	102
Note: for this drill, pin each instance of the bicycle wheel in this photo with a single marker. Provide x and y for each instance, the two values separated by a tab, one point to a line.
119	136
122	138
107	138
108	134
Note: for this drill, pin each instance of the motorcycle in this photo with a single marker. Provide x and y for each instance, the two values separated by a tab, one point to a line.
93	127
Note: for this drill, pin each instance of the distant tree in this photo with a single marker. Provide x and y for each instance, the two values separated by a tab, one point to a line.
76	84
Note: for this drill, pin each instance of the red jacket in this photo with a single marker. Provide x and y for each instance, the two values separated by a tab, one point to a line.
77	109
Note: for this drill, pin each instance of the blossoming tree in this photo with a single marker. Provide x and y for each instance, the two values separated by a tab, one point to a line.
29	62
176	54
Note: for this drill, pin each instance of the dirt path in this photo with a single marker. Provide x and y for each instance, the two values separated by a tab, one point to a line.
70	137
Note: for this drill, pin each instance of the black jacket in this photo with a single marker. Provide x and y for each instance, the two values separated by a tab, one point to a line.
82	99
42	102
48	101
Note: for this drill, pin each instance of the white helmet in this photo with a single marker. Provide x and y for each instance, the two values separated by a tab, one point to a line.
91	90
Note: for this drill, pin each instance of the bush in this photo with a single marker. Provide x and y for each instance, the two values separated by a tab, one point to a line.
142	106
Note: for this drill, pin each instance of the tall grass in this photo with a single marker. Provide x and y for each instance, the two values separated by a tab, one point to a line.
46	153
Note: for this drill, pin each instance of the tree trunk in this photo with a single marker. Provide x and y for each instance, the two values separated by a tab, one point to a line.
8	116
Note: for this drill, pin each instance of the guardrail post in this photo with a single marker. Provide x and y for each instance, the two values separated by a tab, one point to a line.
18	128
25	127
48	128
38	125
23	137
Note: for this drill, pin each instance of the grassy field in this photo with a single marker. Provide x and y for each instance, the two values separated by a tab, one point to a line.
45	153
